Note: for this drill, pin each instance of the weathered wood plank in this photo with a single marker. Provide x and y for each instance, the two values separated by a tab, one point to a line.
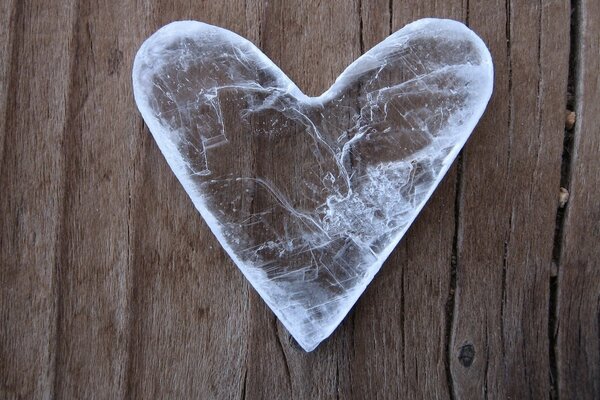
508	203
578	323
31	187
190	307
101	141
409	295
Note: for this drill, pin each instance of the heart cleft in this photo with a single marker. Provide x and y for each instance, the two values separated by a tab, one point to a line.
310	195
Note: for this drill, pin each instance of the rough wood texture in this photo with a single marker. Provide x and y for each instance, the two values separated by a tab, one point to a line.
578	299
112	285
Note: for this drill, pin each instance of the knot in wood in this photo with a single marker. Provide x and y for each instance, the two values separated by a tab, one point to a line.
466	355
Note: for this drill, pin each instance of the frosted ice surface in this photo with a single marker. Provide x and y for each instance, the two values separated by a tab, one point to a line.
309	195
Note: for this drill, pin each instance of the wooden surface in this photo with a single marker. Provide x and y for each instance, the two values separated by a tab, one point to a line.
112	285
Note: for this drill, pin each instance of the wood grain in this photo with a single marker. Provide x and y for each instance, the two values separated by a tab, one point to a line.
94	271
578	300
112	286
32	160
190	308
508	204
413	327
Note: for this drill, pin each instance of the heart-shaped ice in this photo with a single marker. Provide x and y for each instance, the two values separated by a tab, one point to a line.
309	195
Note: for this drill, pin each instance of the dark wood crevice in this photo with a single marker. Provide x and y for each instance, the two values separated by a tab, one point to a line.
568	141
360	28
451	301
576	38
244	383
284	356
